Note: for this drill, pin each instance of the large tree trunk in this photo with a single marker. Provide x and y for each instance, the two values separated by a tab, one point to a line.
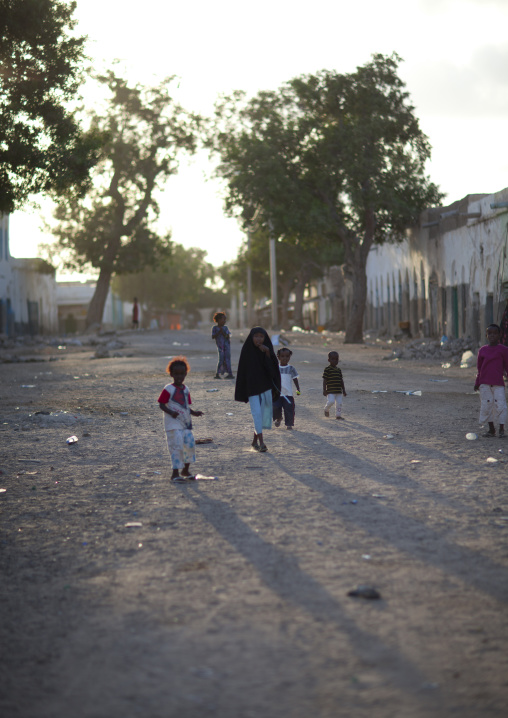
96	306
354	327
338	321
356	256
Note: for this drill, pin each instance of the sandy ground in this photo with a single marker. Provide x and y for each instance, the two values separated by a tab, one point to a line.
231	598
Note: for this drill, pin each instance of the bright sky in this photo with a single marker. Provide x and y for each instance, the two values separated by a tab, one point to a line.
455	66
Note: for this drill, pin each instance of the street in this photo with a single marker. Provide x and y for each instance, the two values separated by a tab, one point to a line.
229	597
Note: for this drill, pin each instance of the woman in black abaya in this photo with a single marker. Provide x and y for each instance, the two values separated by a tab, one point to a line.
257	379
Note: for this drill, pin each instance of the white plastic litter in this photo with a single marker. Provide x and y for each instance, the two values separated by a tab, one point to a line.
468	359
471	436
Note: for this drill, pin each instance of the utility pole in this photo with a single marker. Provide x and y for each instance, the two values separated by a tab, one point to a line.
273	279
250	320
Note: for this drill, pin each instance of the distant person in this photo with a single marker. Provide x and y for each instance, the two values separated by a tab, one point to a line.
257	375
135	314
333	385
286	402
222	337
175	402
492	363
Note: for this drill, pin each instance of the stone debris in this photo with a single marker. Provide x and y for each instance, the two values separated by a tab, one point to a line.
22	349
368	592
457	352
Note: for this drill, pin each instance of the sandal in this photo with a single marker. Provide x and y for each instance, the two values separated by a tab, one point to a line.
489	435
263	447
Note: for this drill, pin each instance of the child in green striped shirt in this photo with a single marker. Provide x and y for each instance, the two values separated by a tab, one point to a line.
333	385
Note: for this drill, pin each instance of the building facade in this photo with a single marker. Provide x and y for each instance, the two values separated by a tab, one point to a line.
27	292
449	276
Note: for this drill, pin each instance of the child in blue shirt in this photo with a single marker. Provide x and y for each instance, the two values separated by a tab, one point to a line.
222	337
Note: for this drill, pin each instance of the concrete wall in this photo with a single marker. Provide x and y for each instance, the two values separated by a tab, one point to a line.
6	311
33	296
27	291
446	277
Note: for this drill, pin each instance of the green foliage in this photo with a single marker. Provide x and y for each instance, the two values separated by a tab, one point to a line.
42	147
179	283
329	155
110	228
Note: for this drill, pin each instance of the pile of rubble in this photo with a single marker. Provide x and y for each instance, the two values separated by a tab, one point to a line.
37	348
454	351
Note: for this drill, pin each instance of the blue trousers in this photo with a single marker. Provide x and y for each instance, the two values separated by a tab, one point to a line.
261	410
286	404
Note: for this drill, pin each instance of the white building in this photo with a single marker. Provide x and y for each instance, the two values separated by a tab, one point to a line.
73	299
27	291
448	276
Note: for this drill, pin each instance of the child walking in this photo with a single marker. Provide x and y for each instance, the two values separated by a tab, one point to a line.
285	402
492	363
222	337
333	385
256	377
175	402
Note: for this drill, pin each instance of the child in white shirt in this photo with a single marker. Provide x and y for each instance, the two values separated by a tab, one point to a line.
286	403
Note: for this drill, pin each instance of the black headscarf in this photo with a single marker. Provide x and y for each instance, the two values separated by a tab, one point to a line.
257	372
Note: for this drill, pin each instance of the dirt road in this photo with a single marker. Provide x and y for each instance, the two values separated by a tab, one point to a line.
230	597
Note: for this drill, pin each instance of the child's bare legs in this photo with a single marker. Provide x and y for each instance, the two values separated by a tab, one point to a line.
185	471
501	431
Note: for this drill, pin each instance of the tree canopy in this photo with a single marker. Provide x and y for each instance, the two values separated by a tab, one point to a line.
42	147
182	282
112	228
329	155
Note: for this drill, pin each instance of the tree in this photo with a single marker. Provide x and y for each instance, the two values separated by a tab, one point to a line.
182	282
330	155
111	229
42	147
